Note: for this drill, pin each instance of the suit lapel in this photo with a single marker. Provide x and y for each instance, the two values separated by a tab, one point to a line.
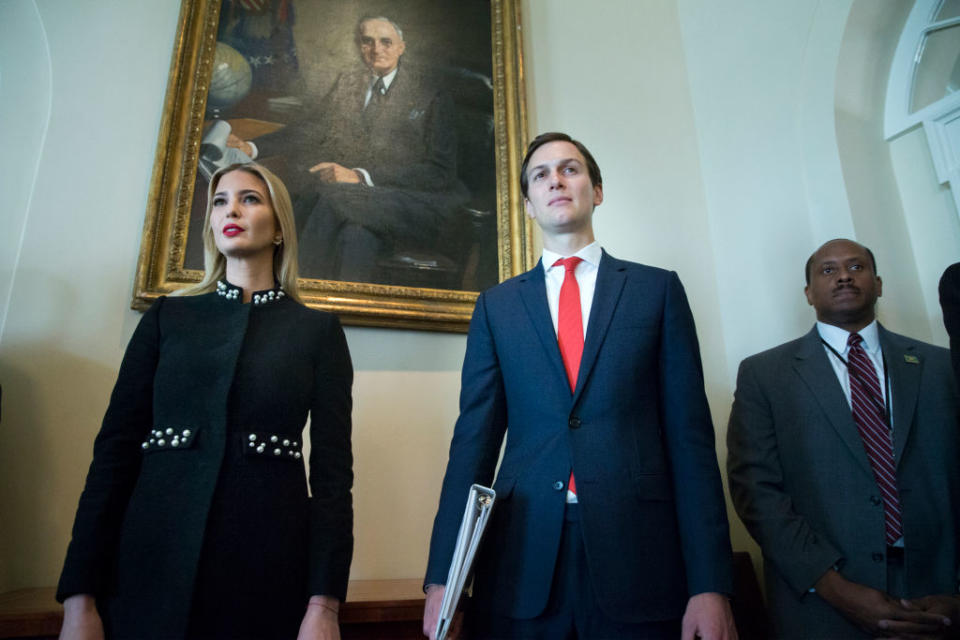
611	276
903	370
358	83
533	292
813	366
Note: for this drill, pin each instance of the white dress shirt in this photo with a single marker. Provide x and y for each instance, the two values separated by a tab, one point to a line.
837	338
387	81
585	273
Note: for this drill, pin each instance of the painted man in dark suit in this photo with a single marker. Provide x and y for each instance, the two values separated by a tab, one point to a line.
610	519
372	164
843	464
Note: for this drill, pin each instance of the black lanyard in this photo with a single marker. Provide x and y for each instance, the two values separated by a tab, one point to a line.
878	402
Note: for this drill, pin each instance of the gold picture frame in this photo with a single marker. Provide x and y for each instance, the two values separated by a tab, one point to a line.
161	266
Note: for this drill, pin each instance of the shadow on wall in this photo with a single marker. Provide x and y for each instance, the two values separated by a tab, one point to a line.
52	407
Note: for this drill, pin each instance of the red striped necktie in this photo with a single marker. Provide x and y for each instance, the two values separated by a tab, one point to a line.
869	412
570	328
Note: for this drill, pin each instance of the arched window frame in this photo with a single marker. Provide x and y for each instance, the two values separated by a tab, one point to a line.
897	116
941	119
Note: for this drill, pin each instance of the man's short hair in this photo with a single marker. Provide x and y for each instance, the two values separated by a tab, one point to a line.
806	270
593	169
366	19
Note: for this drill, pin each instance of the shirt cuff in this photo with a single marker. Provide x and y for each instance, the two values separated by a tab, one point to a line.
365	175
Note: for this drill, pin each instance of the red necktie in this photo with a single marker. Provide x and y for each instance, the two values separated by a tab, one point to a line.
866	399
570	327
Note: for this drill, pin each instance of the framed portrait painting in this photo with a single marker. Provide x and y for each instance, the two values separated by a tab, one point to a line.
398	128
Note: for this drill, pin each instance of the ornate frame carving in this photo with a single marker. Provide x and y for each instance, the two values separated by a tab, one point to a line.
160	267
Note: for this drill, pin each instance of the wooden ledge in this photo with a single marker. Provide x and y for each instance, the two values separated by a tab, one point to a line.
26	613
383	601
30	612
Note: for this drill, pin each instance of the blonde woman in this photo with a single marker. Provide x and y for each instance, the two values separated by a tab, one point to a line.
195	520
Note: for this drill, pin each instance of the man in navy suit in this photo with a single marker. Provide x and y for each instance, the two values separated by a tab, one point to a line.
610	519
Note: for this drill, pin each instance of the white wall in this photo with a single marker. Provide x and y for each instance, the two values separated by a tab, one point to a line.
877	211
734	138
933	228
22	128
758	109
67	318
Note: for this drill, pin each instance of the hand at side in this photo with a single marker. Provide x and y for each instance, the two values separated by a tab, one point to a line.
708	616
867	607
321	621
81	621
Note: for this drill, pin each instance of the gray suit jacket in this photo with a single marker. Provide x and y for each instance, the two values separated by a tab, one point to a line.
801	481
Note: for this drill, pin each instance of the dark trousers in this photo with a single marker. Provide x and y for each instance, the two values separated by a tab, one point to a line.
345	229
896	580
572	611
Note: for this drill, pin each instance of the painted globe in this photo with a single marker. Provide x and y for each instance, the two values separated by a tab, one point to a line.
231	78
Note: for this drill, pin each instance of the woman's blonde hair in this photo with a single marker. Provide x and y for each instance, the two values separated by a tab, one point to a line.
285	268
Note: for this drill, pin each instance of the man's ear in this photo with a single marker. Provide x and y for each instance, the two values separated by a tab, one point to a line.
597	194
529	209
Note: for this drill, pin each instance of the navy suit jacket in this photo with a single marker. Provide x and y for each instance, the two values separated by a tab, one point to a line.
636	431
950	303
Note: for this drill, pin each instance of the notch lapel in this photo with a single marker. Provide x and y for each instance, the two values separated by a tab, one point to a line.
813	366
905	384
533	292
611	276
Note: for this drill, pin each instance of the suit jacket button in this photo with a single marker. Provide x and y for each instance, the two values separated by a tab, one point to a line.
877	557
558	485
573	422
875	501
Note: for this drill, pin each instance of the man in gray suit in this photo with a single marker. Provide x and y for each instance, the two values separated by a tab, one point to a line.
372	164
844	464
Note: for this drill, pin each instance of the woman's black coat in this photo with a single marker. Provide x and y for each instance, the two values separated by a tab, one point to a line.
195	515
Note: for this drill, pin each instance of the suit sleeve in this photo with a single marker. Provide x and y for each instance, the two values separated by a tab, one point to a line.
797	552
950	303
688	431
436	169
116	465
331	469
476	440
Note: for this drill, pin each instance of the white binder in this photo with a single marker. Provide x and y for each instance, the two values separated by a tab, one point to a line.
475	518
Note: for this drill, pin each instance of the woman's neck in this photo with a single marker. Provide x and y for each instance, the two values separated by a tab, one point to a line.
250	274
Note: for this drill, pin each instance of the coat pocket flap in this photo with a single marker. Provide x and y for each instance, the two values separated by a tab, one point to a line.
271	445
169	438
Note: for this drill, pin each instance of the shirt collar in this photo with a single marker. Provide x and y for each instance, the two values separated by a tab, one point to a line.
387	79
590	254
837	337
